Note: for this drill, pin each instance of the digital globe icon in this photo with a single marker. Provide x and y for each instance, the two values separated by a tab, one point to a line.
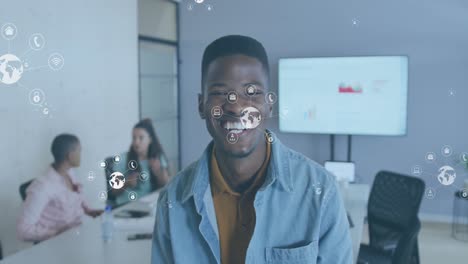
11	69
117	180
250	117
446	175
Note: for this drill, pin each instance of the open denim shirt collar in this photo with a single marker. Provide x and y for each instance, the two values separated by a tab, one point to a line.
278	170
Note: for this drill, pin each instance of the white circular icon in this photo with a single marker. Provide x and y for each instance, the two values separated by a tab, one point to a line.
232	97
36	41
102	195
56	61
36	97
232	137
446	150
250	90
464	193
430	193
355	22
271	98
116	159
144	176
103	164
250	117
9	31
464	157
270	138
417	170
430	157
216	112
117	180
133	165
209	7
45	111
199	1
446	175
132	196
11	69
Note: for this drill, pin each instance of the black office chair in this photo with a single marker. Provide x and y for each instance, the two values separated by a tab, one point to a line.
22	189
392	214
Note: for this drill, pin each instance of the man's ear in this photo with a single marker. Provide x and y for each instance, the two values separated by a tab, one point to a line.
201	106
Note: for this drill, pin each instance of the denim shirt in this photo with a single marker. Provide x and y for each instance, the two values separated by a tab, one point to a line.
300	217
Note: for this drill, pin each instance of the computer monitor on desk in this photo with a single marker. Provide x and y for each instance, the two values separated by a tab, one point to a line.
343	171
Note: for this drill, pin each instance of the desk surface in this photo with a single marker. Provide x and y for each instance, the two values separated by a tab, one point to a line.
84	243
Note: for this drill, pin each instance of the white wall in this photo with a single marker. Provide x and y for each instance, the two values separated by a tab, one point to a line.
95	95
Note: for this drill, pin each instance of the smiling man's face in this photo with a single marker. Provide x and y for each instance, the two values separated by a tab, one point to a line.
225	75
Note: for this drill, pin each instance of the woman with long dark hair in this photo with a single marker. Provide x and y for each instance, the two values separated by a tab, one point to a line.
145	164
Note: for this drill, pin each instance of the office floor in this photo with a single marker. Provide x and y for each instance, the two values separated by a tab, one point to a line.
436	244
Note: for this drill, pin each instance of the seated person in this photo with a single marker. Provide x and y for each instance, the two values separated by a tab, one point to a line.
54	202
147	153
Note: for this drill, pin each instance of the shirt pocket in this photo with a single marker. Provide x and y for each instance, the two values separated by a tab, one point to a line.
299	255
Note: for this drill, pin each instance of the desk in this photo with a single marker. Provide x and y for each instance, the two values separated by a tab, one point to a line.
355	198
84	244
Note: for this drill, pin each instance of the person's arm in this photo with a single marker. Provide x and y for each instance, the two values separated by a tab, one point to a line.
90	211
159	168
78	187
162	248
29	225
335	246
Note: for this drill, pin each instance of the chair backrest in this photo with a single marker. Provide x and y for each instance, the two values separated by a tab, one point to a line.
22	189
393	206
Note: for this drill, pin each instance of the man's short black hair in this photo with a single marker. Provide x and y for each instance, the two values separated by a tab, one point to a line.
62	145
234	45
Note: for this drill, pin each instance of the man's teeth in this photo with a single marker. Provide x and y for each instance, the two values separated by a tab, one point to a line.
237	131
233	126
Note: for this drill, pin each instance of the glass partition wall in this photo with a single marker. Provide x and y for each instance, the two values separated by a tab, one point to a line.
158	73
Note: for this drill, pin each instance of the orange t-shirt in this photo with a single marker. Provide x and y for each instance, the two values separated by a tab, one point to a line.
235	212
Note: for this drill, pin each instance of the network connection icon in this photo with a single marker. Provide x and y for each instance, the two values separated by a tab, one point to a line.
13	68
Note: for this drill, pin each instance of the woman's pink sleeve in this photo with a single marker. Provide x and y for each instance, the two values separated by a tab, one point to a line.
33	224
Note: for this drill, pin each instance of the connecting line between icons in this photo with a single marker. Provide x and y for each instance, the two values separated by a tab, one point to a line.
263	118
452	186
110	172
21	85
438	163
36	68
26	52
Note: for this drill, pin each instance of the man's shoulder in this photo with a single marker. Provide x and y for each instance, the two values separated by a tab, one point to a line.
307	172
299	159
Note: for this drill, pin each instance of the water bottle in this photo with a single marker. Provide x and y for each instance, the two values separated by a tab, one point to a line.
107	224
